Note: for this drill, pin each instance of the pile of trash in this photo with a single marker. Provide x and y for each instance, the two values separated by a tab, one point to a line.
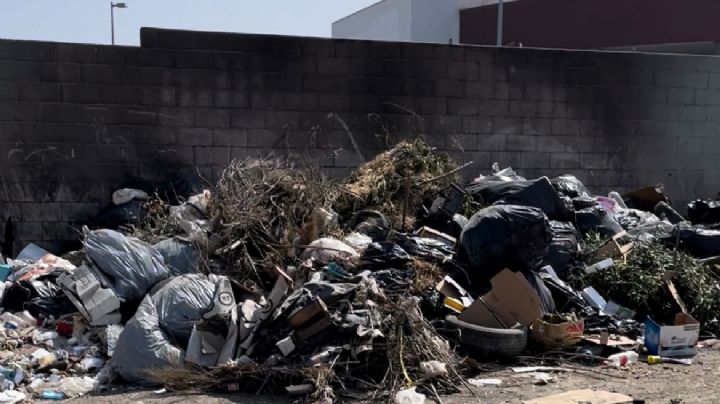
277	280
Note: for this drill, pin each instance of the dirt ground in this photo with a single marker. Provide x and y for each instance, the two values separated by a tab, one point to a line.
670	384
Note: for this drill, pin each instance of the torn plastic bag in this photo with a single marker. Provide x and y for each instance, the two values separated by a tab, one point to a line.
583	202
214	340
596	219
547	303
117	216
180	256
427	248
568	185
504	236
329	293
564	247
18	296
662	209
632	218
143	345
181	302
704	211
538	193
384	255
371	223
192	221
130	266
700	243
506	174
327	249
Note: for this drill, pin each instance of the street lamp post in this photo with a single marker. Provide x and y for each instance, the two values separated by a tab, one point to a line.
112	18
500	18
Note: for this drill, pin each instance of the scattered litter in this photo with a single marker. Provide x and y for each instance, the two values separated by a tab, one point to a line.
409	396
485	382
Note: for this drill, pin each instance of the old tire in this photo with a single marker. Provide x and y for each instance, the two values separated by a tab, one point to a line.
486	341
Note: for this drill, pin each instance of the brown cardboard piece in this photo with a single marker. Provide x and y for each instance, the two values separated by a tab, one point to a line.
450	288
307	313
583	396
667	278
610	340
613	249
552	331
511	300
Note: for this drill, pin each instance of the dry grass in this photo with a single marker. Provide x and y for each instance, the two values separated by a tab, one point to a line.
394	180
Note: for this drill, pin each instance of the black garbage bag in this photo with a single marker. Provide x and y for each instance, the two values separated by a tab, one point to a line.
180	256
427	248
698	242
598	220
504	236
568	185
130	266
450	225
663	209
583	202
384	255
547	303
116	216
371	223
564	247
704	211
537	193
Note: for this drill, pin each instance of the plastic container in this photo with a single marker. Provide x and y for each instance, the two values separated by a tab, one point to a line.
622	359
52	395
654	359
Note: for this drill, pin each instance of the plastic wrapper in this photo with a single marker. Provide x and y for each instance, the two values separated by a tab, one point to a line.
179	256
428	248
384	255
504	236
180	303
327	249
130	266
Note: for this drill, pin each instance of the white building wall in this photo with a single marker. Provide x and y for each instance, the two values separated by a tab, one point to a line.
388	20
435	21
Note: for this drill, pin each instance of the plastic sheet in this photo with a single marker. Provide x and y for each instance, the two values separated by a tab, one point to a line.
384	255
130	266
504	236
181	302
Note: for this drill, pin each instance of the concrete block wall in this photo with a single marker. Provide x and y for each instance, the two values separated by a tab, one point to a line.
78	121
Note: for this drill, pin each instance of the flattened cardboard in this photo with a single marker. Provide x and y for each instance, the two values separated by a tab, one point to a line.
583	396
511	300
680	339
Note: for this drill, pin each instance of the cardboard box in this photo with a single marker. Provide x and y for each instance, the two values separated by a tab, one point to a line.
554	331
680	339
613	249
511	300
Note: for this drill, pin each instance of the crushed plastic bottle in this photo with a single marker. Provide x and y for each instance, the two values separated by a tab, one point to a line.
623	359
654	359
52	395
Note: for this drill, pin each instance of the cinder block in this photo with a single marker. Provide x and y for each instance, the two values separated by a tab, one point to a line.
491	142
671	78
38	212
194	137
476	125
8	90
212	118
229	137
479	89
212	156
267	138
565	160
80	211
565	127
508	126
521	142
462	106
461	142
594	161
462	71
449	88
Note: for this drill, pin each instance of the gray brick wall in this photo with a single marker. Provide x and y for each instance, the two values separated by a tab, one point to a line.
78	121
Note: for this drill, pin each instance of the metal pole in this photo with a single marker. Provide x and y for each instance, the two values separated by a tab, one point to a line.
500	19
112	23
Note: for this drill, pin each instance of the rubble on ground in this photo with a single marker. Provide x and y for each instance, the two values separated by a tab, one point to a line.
276	279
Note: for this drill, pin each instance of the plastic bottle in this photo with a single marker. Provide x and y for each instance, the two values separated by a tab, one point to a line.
653	359
622	359
52	395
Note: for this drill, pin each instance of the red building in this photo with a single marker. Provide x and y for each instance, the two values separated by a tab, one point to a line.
688	26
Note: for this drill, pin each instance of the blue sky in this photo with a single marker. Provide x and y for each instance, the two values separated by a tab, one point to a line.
89	20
